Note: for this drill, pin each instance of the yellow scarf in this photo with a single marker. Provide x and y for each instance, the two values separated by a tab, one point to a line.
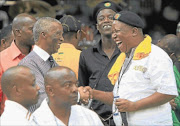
142	51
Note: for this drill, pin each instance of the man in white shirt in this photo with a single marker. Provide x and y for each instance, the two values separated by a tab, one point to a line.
60	107
146	82
18	83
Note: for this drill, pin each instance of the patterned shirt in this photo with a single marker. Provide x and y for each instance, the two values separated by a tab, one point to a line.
37	61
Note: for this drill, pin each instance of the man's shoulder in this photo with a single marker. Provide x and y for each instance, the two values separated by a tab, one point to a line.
5	53
13	119
83	109
90	49
159	53
42	109
31	57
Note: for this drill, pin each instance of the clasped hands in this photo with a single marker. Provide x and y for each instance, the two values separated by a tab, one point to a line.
85	94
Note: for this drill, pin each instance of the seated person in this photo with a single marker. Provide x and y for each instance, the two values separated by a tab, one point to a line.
18	83
60	107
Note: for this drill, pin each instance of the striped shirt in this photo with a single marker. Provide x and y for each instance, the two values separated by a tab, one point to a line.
37	61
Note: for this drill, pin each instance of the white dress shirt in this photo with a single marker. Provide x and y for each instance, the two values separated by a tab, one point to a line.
79	116
14	114
143	78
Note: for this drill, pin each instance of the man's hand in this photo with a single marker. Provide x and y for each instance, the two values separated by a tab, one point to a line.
90	90
124	105
173	104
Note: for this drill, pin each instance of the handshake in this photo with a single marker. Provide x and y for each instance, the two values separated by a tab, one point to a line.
86	93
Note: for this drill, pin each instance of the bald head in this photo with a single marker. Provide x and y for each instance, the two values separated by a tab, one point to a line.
170	43
21	20
57	74
61	87
12	77
22	26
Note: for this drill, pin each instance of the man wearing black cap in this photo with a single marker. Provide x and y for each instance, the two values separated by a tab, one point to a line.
69	52
96	62
146	82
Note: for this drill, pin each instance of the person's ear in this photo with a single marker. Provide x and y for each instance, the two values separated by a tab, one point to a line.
49	90
78	35
134	31
43	34
3	43
97	26
17	32
173	57
16	91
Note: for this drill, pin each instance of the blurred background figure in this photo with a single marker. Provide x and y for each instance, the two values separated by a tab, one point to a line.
68	54
156	14
171	45
178	30
6	37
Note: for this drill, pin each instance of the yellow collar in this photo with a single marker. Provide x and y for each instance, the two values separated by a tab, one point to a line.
143	49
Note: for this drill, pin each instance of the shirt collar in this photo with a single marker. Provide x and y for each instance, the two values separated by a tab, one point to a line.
47	111
98	47
16	51
41	53
67	45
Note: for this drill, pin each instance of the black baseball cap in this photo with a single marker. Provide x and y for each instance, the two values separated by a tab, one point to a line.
129	18
105	5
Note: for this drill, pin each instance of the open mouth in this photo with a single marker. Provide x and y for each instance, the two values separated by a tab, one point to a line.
119	43
106	26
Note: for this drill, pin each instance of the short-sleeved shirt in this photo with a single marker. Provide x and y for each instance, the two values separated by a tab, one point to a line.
68	56
143	78
94	66
8	58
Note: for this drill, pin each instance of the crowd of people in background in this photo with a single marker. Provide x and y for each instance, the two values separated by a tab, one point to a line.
46	78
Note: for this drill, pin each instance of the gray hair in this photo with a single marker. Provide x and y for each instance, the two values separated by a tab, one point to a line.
42	25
